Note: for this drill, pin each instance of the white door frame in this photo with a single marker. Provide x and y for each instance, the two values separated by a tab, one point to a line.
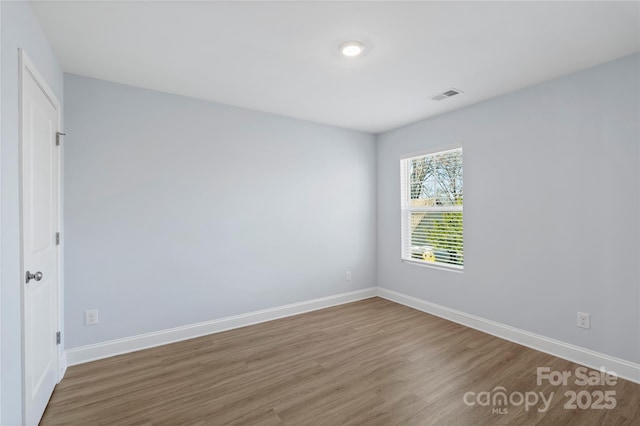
27	66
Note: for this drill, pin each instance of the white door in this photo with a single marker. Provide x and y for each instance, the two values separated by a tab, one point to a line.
40	252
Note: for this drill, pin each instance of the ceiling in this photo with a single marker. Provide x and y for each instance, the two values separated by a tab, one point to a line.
282	57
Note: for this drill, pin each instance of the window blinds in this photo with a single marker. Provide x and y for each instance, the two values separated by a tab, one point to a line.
432	209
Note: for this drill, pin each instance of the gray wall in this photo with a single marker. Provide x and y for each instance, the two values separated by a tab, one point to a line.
180	211
20	29
551	209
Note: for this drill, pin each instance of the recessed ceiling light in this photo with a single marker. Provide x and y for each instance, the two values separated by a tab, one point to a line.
351	48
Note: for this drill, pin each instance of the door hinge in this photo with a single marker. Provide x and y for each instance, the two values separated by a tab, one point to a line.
57	238
58	338
58	134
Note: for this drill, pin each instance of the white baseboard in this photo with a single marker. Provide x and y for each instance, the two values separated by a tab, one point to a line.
111	348
624	369
62	365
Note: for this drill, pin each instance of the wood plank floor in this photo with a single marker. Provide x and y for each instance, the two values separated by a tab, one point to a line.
372	362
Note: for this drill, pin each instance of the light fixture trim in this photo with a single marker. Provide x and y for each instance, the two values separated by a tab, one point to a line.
352	48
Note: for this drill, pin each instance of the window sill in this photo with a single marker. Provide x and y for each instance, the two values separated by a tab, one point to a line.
458	269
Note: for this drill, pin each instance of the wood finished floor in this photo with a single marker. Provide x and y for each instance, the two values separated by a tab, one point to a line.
372	362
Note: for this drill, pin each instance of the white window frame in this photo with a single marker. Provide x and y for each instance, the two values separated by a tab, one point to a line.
406	209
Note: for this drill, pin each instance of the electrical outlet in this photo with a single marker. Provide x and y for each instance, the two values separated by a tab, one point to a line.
348	276
584	320
91	317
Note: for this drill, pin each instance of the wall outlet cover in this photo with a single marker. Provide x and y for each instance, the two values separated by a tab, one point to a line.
584	320
91	317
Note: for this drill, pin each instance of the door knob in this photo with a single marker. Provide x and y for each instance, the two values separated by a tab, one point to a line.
37	276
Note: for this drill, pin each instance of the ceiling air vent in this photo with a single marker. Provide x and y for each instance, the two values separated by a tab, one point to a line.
447	94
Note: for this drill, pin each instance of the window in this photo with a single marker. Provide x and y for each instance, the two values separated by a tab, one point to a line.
432	194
